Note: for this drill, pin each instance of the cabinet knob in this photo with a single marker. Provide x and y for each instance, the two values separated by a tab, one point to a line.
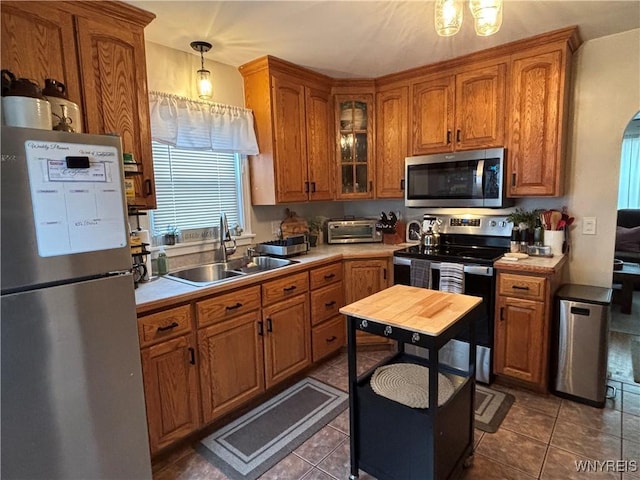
388	330
415	337
364	324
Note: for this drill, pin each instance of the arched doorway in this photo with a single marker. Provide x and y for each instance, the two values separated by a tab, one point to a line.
624	337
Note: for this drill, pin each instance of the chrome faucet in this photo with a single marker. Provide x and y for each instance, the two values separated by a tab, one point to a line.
225	236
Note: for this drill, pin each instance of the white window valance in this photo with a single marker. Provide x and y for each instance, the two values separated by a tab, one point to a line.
191	124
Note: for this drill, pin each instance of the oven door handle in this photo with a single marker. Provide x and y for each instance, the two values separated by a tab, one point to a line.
470	269
402	261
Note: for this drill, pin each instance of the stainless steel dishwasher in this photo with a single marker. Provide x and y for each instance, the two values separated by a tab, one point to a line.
580	349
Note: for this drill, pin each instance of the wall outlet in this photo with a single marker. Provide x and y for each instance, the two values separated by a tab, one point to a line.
275	228
589	226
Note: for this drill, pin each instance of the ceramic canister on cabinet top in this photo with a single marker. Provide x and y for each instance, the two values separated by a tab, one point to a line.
62	109
23	104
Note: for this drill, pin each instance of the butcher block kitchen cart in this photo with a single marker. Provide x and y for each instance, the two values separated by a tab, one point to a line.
390	440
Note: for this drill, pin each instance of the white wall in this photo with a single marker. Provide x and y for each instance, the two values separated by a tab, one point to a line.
606	97
174	71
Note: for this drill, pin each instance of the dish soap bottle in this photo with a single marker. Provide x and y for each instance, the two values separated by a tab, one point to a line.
161	262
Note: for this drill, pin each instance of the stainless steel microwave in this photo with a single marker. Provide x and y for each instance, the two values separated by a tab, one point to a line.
474	178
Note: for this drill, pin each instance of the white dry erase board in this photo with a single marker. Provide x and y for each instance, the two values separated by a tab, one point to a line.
77	197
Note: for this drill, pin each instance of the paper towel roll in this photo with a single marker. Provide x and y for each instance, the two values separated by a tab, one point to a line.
145	238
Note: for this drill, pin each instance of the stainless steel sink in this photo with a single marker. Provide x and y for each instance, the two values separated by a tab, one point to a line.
204	275
211	273
264	263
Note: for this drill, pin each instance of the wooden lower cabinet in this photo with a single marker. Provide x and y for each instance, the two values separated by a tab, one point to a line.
524	307
518	341
328	337
231	364
287	338
363	278
171	390
328	333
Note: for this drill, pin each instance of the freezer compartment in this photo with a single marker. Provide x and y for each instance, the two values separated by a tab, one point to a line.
72	394
60	223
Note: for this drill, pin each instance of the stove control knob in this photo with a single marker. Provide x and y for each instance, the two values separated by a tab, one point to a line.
492	223
503	224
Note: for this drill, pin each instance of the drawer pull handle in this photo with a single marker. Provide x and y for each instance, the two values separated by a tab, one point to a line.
330	304
332	339
233	307
269	325
329	276
289	289
261	328
519	287
171	326
192	356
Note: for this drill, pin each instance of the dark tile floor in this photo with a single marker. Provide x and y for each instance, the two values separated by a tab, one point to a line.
542	437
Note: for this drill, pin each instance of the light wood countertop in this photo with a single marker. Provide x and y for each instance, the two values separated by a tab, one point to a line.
163	292
411	308
540	265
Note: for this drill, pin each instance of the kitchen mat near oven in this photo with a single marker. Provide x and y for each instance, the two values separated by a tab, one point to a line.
408	384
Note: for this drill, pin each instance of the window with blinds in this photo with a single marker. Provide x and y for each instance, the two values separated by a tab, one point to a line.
194	187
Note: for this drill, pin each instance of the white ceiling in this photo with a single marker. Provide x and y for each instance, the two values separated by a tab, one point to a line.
350	39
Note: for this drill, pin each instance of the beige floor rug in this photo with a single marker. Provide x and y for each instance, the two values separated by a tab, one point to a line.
252	444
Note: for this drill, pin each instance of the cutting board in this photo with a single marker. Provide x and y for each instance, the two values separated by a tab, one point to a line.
293	225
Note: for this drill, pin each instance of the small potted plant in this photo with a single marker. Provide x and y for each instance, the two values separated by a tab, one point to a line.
171	236
524	219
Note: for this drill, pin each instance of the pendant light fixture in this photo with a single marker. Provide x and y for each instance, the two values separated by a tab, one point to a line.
448	17
203	78
487	15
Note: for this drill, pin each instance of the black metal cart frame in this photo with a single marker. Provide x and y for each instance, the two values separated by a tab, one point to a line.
439	440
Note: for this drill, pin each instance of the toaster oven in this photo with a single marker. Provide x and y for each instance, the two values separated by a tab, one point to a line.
355	230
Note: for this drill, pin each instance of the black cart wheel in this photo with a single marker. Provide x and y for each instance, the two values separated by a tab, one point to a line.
468	462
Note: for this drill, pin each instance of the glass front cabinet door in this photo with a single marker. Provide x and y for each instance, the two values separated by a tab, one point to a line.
355	146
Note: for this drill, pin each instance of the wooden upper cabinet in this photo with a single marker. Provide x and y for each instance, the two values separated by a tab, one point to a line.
433	102
459	111
293	114
289	139
355	146
105	74
392	116
480	108
114	83
319	110
536	119
38	42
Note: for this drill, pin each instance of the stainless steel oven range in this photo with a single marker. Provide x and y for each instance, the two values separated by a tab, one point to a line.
475	241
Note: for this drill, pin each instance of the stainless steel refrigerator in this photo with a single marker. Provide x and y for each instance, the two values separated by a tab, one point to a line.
72	395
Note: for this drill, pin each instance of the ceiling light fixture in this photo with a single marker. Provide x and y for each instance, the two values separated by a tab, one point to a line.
487	15
448	17
203	79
